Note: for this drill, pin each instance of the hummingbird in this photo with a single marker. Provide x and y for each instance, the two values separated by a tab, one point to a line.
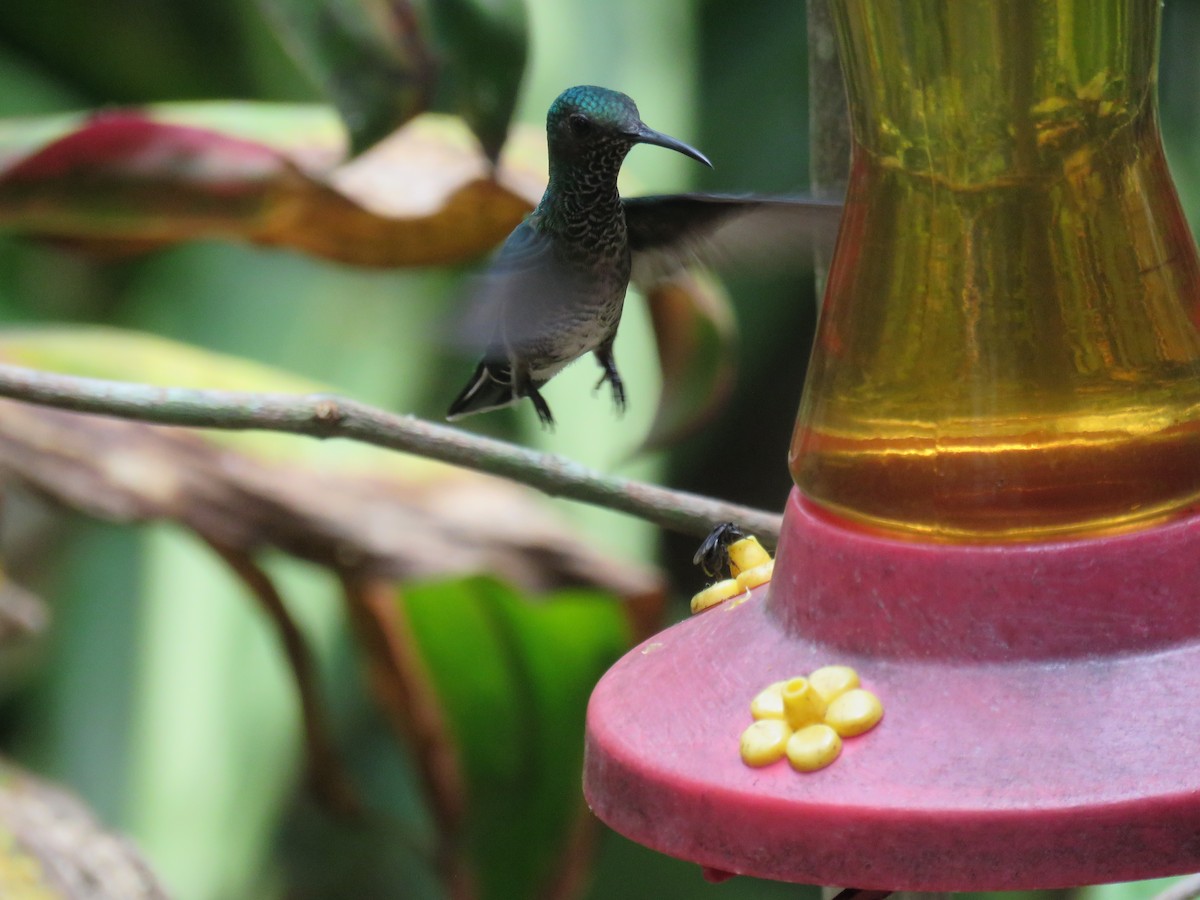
556	289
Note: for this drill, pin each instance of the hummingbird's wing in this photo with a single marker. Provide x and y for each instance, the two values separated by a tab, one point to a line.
506	318
674	231
519	301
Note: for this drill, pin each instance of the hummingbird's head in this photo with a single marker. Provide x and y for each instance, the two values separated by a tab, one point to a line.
589	124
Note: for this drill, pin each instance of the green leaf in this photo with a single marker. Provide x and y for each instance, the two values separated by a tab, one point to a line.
99	351
370	58
484	46
513	678
1127	890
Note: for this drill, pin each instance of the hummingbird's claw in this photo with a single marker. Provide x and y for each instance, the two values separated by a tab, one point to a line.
543	408
604	357
618	391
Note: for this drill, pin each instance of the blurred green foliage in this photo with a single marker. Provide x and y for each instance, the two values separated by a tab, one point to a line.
514	681
161	695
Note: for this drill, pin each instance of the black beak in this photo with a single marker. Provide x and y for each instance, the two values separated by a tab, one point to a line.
645	135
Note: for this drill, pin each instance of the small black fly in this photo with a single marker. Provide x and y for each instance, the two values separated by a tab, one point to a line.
713	555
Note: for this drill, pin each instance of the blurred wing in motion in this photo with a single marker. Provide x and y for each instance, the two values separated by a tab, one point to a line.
511	301
520	309
672	232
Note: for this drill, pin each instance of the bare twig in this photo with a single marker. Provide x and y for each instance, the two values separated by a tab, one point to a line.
402	687
329	778
327	416
406	697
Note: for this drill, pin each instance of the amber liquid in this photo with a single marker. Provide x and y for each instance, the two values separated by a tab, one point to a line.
1008	347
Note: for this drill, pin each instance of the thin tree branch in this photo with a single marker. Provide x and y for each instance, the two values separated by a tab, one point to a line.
329	778
327	416
405	695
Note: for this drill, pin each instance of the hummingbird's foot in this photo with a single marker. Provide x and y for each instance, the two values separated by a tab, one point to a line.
613	378
542	407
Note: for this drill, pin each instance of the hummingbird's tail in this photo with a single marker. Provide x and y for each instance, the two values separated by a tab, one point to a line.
491	387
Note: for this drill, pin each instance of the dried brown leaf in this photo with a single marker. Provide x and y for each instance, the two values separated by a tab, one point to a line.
428	523
337	503
23	615
128	181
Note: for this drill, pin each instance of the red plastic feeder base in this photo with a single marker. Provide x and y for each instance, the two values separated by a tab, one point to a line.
1042	713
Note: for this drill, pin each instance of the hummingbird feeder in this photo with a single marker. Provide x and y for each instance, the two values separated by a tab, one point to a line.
995	517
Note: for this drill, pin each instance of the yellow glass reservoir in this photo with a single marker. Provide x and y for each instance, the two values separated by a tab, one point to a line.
1008	346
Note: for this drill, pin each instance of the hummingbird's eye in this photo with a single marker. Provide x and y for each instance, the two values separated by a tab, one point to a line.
579	124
